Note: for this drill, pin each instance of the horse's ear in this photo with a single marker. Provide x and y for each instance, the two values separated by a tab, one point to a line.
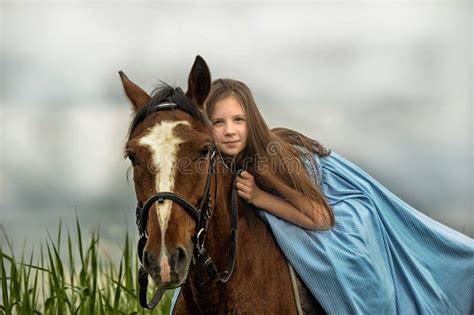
135	94
199	82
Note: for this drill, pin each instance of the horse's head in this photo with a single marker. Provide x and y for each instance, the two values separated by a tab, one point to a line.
169	146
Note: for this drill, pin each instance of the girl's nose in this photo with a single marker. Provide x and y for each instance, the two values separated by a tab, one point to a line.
229	129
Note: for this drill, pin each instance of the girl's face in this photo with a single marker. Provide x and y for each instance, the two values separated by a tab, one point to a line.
230	126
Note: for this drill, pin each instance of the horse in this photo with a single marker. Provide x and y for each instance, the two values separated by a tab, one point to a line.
188	212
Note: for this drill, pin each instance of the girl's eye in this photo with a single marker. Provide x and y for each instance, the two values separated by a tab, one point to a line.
240	119
217	122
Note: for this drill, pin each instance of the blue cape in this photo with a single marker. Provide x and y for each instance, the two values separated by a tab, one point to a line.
382	256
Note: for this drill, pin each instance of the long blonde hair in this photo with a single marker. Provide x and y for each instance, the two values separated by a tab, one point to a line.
271	156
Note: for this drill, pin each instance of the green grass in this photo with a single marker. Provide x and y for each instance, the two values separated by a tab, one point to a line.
64	277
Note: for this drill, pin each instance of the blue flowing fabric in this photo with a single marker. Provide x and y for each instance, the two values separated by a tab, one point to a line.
382	256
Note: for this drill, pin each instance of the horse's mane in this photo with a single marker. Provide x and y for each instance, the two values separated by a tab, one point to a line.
166	93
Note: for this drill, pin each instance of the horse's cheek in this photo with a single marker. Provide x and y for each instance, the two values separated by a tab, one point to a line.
144	184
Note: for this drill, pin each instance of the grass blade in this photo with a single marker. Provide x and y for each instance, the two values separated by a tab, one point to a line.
5	295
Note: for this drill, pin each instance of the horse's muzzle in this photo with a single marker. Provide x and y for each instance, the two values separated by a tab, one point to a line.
168	270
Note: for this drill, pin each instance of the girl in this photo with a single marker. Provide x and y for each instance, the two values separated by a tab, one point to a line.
359	248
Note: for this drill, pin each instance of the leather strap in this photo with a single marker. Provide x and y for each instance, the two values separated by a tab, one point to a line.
143	283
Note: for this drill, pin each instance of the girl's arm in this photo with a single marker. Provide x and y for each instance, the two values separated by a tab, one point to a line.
298	209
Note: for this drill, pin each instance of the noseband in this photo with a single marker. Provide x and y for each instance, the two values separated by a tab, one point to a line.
202	218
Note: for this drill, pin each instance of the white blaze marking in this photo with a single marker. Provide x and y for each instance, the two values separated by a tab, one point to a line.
163	145
165	269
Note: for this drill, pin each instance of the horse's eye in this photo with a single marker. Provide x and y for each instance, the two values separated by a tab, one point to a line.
204	151
133	159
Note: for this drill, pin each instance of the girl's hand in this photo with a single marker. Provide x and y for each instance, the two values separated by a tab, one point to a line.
247	188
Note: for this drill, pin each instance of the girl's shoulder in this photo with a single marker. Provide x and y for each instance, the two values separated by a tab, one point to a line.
311	163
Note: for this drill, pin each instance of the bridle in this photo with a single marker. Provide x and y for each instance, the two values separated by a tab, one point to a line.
202	216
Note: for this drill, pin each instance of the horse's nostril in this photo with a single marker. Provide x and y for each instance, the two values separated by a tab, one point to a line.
181	254
147	259
180	258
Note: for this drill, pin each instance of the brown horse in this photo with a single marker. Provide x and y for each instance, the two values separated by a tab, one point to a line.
170	146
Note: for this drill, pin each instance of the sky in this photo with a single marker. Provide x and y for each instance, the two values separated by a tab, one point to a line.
386	84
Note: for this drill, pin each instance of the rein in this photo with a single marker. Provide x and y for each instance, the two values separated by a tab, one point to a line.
202	216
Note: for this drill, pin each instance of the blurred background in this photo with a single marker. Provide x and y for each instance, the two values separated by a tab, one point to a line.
386	84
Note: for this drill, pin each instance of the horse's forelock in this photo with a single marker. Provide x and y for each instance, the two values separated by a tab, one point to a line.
166	93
